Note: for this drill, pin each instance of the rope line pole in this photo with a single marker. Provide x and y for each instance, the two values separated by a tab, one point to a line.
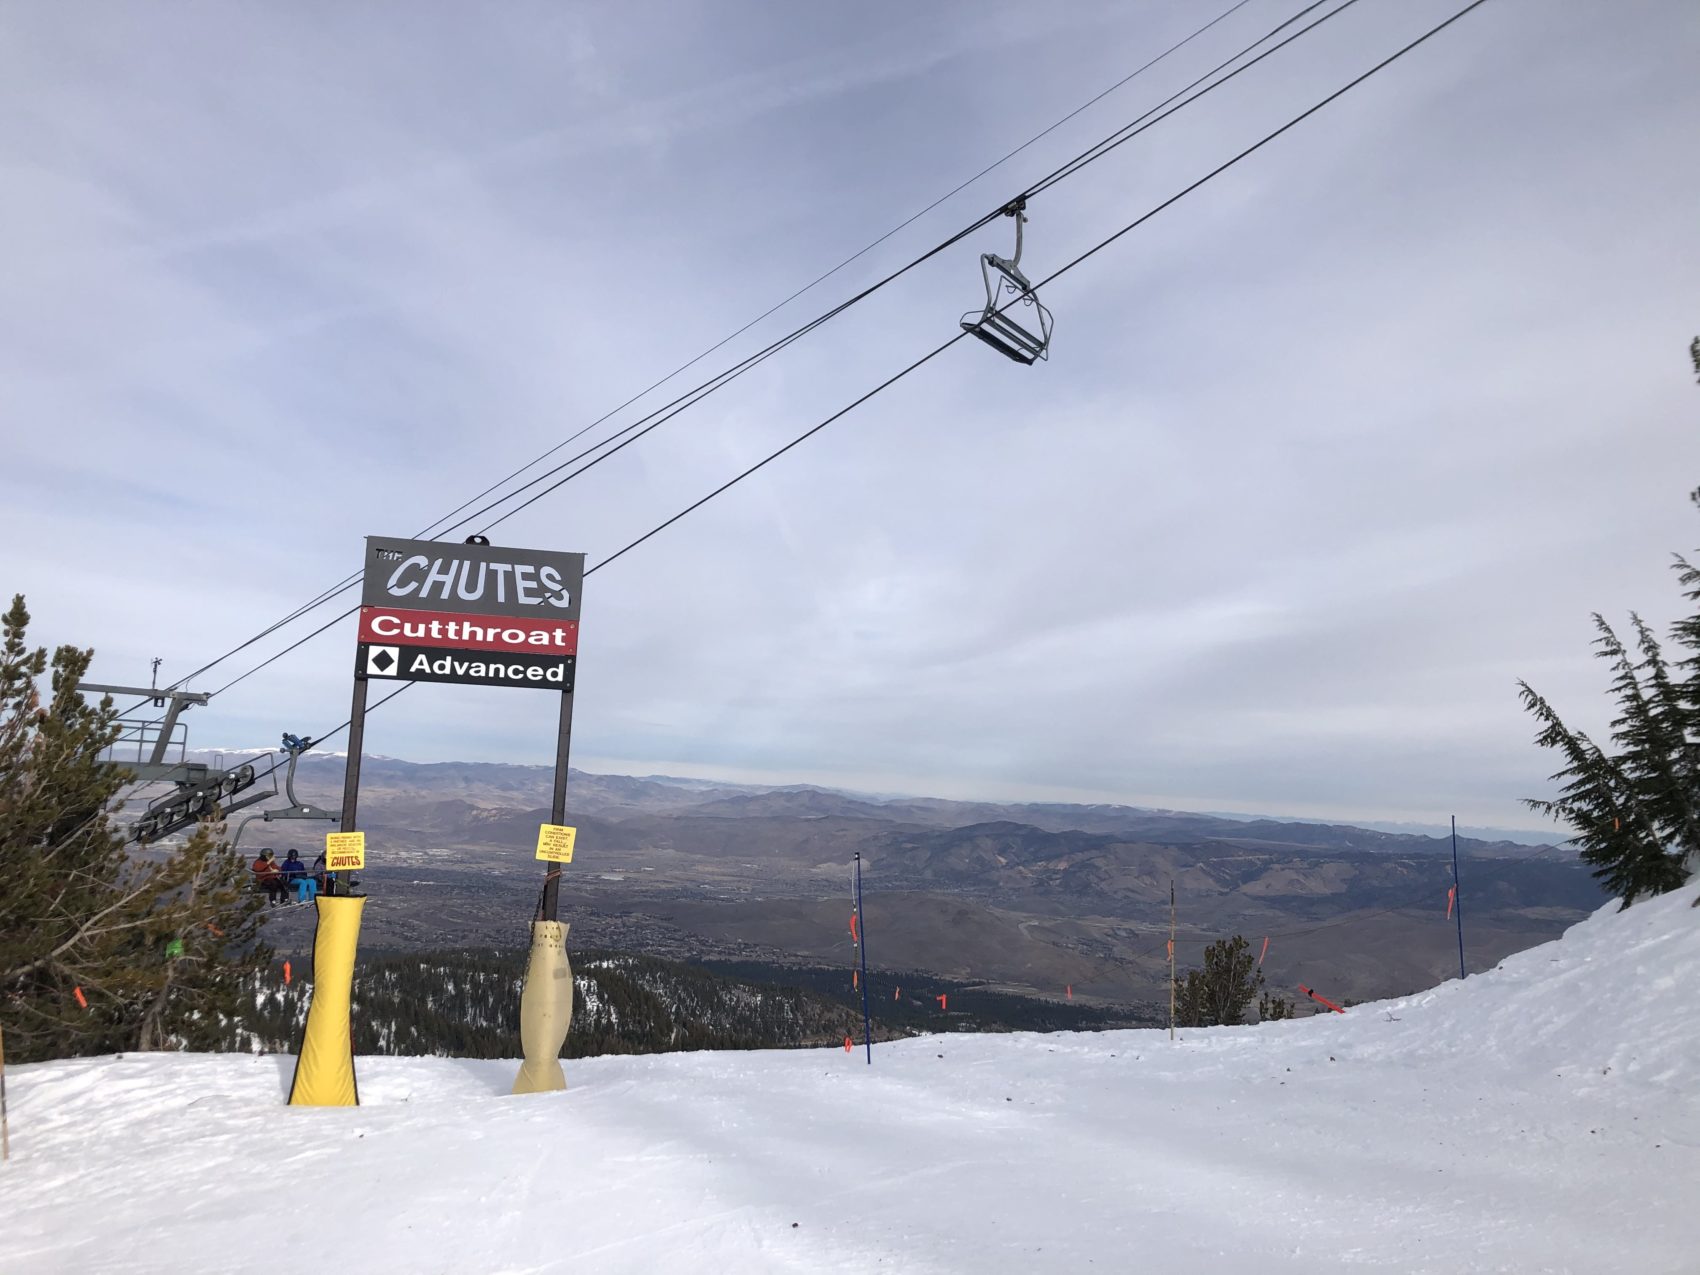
862	947
1171	958
1457	898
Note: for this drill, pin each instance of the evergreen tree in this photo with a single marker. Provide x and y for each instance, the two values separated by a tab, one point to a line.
201	945
1189	1001
1271	1009
100	950
1635	812
1219	994
1632	813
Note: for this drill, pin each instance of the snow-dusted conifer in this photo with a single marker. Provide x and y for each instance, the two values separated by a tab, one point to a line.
100	950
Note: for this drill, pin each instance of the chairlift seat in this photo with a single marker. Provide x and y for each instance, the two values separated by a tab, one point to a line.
996	324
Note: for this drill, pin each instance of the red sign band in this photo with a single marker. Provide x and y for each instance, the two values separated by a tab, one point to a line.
539	636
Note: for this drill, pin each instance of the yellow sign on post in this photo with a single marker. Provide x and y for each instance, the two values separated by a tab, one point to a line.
345	851
555	842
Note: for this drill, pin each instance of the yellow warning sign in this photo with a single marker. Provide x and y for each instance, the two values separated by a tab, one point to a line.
345	851
555	842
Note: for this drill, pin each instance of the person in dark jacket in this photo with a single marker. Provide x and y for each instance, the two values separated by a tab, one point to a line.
295	877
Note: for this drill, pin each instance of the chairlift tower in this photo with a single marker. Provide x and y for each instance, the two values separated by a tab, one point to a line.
160	747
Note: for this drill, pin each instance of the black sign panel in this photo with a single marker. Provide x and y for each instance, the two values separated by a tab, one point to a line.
431	575
377	661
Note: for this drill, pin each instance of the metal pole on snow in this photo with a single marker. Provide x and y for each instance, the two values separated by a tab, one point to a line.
1171	958
550	907
339	883
862	948
1457	897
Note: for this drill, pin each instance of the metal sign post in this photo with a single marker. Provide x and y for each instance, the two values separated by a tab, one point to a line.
862	955
548	909
342	884
1458	898
1171	958
546	1001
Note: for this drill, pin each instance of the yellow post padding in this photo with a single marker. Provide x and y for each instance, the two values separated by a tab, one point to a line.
324	1070
545	1009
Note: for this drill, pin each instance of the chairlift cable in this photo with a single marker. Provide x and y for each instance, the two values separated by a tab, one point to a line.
940	349
325	627
1128	131
1150	119
863	251
739	369
702	390
1055	274
349	581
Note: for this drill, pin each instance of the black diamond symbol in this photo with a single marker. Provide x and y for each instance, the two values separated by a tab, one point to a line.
382	661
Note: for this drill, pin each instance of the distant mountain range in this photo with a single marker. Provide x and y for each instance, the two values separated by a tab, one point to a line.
487	783
1033	896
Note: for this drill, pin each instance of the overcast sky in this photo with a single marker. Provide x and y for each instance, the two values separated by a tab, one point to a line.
1326	456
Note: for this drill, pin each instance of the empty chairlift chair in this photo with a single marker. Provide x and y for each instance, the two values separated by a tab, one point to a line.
1010	300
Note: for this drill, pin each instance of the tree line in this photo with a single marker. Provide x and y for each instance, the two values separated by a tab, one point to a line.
464	1003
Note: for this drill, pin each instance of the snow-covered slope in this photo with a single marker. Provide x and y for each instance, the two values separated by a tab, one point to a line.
1541	1117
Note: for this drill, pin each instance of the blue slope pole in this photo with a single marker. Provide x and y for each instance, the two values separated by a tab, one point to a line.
862	945
1457	897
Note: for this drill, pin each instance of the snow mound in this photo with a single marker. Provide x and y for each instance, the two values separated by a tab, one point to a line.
1539	1117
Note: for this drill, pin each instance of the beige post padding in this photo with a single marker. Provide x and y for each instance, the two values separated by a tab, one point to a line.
545	1009
324	1070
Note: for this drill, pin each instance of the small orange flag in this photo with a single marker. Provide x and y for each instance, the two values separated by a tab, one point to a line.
943	1000
1263	953
81	999
848	1044
286	973
1451	898
1071	991
896	992
854	938
855	978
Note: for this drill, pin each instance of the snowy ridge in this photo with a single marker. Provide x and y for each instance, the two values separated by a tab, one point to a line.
1539	1117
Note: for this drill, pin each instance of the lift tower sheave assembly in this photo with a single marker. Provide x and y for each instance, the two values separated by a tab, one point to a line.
154	737
160	755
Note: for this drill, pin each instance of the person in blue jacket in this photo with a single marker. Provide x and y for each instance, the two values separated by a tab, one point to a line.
295	877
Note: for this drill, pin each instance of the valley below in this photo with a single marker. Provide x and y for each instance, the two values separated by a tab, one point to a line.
1042	899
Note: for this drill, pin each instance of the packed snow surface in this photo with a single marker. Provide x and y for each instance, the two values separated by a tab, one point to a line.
1541	1117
